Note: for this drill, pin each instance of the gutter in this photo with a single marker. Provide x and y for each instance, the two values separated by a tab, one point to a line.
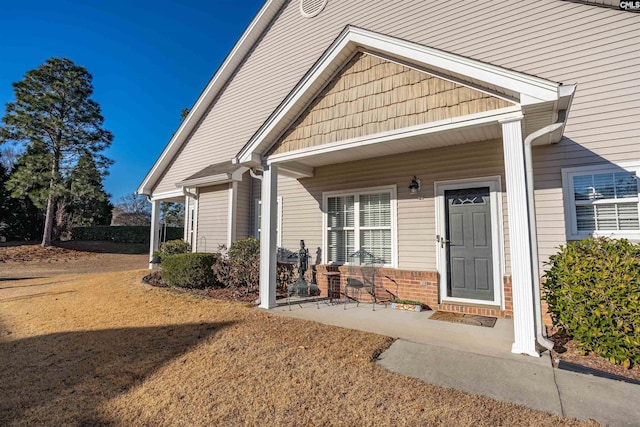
554	133
533	231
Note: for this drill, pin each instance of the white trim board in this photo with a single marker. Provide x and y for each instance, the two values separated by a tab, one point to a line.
479	119
494	184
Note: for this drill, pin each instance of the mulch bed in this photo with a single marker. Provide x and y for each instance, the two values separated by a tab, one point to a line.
225	294
566	349
31	253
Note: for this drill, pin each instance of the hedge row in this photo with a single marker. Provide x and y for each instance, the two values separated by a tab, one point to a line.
121	234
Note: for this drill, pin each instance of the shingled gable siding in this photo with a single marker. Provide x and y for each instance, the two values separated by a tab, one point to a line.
213	205
372	95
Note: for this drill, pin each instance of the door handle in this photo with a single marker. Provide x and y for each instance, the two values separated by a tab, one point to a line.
443	241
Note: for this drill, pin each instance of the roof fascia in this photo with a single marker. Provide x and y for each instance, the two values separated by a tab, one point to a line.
531	89
244	44
220	178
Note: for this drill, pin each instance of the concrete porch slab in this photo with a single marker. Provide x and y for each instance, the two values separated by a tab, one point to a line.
409	326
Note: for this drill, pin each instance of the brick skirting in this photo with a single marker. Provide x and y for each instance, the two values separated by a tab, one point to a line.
411	285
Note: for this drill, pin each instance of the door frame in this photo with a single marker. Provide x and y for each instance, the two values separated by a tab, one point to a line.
497	240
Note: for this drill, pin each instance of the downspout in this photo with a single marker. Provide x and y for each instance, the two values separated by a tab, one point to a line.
541	335
254	174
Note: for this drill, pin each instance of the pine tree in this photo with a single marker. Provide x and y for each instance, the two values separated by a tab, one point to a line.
20	219
54	115
87	203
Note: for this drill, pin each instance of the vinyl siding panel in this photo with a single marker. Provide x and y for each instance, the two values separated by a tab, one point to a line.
213	205
302	209
243	208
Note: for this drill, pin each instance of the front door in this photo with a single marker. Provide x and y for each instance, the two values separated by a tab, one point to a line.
468	243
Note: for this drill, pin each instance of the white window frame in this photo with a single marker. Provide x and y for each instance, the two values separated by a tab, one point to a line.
191	223
392	190
257	202
497	236
571	222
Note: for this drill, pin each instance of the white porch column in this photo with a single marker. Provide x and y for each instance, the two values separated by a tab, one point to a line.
520	238
185	231
154	241
232	213
268	237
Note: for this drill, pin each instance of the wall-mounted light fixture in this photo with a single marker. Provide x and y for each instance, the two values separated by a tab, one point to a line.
414	187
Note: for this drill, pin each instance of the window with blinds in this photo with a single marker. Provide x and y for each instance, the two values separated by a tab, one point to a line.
359	221
604	202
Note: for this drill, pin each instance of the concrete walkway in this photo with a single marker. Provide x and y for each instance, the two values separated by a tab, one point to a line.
479	360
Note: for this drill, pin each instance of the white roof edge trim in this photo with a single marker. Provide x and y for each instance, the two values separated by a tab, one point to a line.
244	44
167	195
535	87
532	89
477	119
220	178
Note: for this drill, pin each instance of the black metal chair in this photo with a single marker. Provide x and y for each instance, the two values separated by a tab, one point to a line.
366	282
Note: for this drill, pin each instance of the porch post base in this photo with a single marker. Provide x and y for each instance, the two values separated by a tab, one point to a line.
268	248
519	349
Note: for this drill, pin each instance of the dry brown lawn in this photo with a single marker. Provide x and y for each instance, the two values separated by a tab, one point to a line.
102	349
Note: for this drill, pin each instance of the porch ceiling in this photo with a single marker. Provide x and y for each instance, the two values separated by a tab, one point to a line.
535	117
402	145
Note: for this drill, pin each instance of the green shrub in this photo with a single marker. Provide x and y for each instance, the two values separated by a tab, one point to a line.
191	270
121	234
173	247
593	292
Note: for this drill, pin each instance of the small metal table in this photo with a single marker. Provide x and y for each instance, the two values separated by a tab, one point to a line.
333	284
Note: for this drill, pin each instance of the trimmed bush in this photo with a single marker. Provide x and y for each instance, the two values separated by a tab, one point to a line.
191	270
593	292
173	247
121	234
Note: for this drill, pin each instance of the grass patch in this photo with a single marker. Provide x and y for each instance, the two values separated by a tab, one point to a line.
107	349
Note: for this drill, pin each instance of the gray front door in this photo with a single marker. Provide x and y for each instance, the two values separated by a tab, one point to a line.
469	252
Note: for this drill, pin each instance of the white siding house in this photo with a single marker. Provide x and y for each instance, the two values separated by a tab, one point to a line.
516	123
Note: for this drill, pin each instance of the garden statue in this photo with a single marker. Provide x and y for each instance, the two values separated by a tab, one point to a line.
303	261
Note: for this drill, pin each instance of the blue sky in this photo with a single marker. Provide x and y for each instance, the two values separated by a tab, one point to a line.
149	60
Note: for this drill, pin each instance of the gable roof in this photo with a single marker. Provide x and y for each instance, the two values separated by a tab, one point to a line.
372	94
242	48
522	88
